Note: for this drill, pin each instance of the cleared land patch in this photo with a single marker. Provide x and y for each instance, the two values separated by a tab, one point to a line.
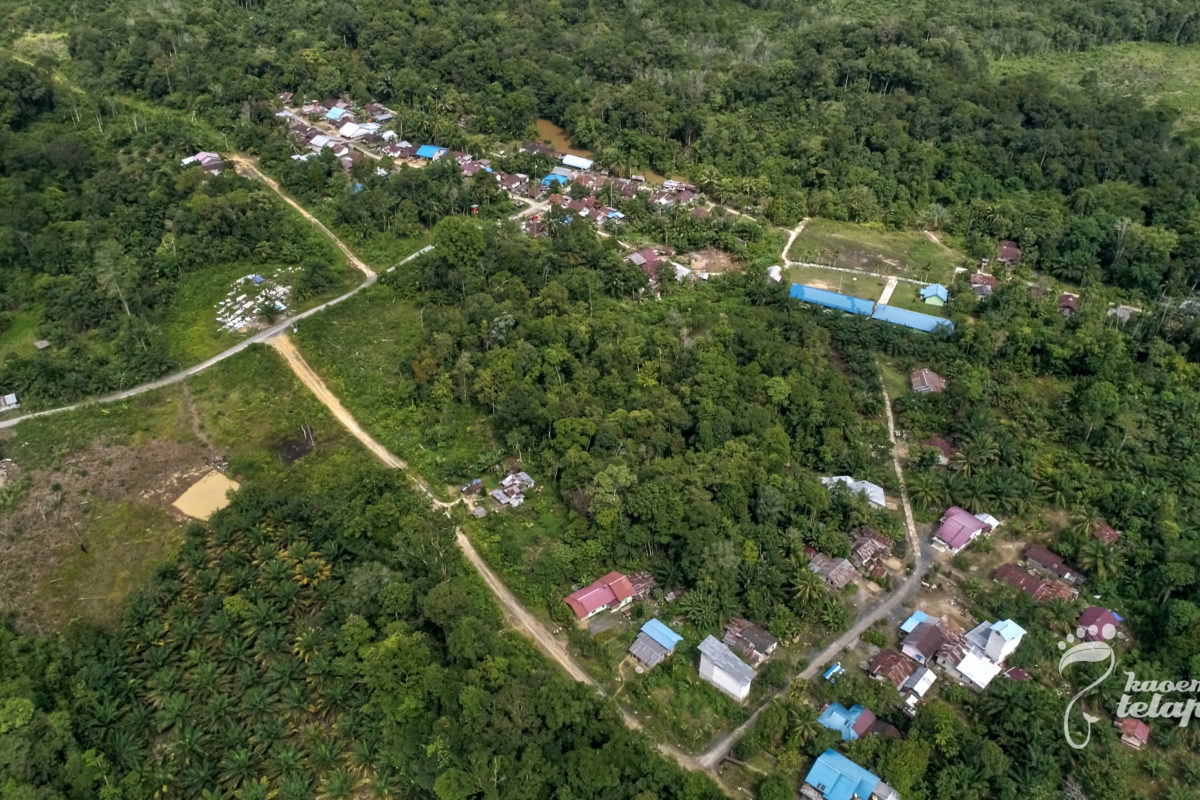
873	248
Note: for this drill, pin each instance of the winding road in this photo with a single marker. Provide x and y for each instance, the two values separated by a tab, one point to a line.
517	615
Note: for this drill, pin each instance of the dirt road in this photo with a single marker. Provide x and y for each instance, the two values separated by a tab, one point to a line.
922	556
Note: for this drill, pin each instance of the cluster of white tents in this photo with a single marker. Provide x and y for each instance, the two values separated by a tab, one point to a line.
250	294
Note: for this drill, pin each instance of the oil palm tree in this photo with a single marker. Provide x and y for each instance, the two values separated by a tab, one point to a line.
1099	560
927	490
807	589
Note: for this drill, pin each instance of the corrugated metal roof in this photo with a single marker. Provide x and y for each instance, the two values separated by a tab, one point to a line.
828	299
913	621
647	651
838	778
910	319
429	151
935	290
725	660
660	633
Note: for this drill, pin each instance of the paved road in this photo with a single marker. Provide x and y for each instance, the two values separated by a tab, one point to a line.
922	556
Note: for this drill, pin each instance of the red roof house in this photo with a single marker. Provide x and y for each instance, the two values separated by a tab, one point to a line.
1008	253
943	445
1040	590
892	667
1100	618
1134	732
610	592
958	529
1041	558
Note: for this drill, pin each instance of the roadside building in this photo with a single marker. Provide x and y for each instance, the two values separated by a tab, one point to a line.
8	402
610	593
836	572
890	666
959	528
724	670
654	643
867	545
754	642
833	776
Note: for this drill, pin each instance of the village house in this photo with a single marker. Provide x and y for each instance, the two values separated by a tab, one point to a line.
983	284
1008	254
890	666
931	638
945	449
977	658
835	777
959	528
837	572
643	584
724	670
1105	532
654	643
1068	304
914	689
1040	590
537	149
754	643
209	162
1040	559
872	491
512	489
935	294
852	723
925	381
377	113
867	545
1123	313
647	260
611	592
1097	621
1134	732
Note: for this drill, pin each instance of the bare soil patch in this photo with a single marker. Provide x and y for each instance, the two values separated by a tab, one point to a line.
206	496
712	262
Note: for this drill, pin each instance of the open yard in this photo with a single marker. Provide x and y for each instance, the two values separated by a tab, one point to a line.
864	286
873	248
1159	73
17	334
86	510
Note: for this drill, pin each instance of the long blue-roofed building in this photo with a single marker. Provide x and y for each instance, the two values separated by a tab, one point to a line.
835	777
828	299
910	319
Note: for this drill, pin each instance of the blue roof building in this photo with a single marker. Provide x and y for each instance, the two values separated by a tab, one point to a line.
335	114
552	178
851	722
430	151
838	778
661	634
910	319
935	291
832	673
913	621
822	297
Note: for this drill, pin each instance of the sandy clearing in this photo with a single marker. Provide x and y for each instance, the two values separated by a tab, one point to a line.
206	496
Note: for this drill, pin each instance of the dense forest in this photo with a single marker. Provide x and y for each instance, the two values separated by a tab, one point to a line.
333	646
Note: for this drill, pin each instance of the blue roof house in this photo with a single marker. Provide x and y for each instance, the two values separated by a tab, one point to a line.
935	294
910	319
430	151
913	621
661	634
335	114
552	178
836	777
851	722
823	297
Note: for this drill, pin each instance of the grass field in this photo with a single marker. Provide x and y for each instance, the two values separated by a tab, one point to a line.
1159	73
895	381
19	336
873	248
87	516
864	286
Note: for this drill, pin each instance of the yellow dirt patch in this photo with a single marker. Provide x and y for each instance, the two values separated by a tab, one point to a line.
206	496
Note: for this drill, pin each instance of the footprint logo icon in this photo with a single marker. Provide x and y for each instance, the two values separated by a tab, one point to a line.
1086	652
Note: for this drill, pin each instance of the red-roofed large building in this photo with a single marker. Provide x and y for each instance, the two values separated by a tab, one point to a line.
959	528
611	592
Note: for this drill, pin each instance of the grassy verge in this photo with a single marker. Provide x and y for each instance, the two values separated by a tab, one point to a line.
863	286
874	248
